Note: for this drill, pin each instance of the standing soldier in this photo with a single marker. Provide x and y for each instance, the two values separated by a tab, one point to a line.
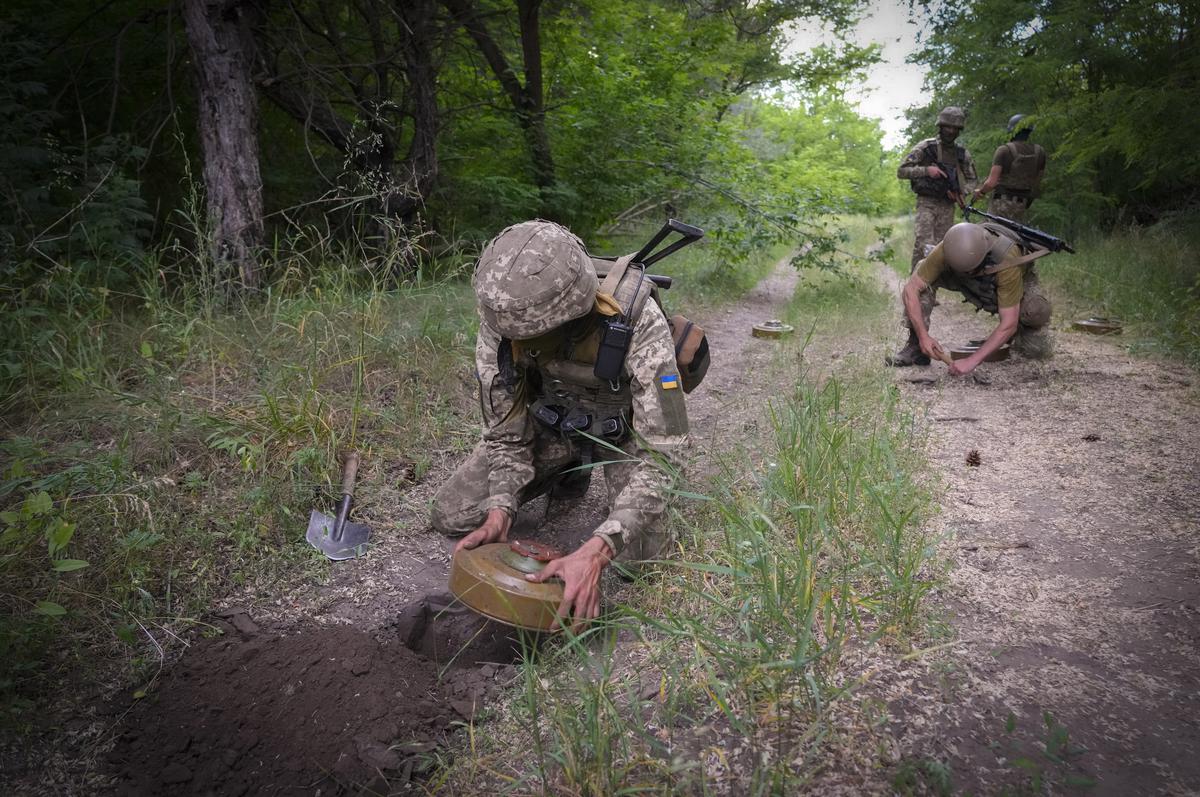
547	416
940	173
1017	170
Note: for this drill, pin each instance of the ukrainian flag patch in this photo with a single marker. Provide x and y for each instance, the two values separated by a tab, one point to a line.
669	382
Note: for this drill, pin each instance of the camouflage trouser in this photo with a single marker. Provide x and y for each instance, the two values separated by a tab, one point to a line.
1009	207
934	217
456	507
1032	338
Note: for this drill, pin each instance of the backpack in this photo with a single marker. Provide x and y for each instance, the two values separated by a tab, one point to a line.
632	287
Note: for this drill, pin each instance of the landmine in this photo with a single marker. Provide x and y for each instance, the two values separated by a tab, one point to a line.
771	329
972	346
1098	326
490	580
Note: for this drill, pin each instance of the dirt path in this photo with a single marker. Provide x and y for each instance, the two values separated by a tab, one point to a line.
1074	593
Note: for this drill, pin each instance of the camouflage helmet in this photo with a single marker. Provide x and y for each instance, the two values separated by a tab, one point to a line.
952	116
965	246
533	277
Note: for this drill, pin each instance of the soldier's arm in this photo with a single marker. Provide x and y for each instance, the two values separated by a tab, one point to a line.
1009	317
660	431
507	433
925	273
911	167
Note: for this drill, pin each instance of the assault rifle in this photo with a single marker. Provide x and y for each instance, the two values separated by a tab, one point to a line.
949	184
1031	234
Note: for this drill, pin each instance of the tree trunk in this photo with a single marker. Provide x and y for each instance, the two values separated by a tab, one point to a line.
420	168
222	54
533	108
528	100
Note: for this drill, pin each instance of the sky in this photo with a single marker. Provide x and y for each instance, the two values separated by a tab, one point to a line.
891	85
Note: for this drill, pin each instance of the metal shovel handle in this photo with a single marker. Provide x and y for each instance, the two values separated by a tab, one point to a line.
349	476
349	472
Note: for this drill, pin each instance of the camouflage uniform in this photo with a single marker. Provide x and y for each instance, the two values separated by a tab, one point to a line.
1008	206
935	215
523	370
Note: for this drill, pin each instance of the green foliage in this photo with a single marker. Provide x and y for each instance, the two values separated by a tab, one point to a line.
1148	277
179	457
1052	764
1114	107
65	203
924	776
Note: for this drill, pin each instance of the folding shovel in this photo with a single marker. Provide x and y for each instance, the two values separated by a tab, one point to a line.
337	537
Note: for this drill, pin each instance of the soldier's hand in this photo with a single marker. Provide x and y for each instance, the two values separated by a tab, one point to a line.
934	172
933	350
494	529
580	572
961	367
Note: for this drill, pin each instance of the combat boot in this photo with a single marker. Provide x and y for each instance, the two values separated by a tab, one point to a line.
911	354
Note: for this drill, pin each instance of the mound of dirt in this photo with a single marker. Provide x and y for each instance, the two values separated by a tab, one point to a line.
323	711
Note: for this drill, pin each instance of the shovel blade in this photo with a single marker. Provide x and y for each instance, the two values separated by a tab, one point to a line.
320	536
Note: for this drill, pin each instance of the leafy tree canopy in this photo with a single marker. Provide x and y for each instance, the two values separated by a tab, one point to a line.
1110	85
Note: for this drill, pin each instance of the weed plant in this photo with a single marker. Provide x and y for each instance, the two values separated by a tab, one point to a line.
717	674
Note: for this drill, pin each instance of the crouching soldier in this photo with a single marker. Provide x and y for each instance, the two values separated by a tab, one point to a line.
543	318
993	269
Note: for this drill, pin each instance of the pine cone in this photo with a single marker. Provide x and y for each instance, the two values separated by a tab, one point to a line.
973	458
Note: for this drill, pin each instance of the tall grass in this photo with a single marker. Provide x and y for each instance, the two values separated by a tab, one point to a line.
718	674
1148	277
160	451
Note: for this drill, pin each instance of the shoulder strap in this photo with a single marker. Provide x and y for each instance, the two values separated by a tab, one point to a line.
1020	261
613	278
621	291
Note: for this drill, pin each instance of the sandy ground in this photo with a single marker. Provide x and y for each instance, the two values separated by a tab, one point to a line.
1073	595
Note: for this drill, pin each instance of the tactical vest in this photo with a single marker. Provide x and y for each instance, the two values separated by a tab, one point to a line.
570	398
937	187
981	289
1021	178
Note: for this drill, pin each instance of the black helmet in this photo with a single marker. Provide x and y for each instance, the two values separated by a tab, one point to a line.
1016	120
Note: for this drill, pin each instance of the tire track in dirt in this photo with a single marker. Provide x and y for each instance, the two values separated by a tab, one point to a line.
1075	580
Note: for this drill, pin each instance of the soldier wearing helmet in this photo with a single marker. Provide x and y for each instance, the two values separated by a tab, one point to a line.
940	173
541	306
1017	169
993	268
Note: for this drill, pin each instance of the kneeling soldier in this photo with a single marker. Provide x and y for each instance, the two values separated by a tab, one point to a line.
543	313
993	269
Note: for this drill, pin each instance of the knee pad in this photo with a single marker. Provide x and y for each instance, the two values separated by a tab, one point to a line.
1035	311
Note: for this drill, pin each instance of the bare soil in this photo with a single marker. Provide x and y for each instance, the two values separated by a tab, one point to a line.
1072	602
